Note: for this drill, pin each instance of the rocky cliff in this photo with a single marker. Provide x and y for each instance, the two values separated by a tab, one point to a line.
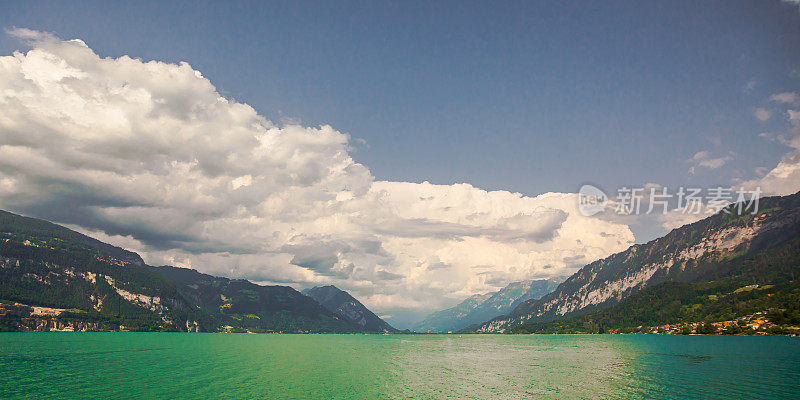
691	253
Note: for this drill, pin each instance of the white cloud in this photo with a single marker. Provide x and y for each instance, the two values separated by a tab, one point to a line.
786	97
785	177
762	114
149	155
704	159
782	180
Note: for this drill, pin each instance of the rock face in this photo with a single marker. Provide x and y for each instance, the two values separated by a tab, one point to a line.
56	325
479	308
101	286
345	305
24	318
685	254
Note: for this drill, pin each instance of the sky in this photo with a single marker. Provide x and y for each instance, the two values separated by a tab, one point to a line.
411	153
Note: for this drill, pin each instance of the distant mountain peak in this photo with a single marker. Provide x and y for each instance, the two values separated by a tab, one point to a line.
481	307
342	303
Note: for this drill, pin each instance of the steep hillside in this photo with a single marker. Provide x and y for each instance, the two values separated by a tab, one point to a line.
52	278
43	264
343	304
722	246
19	226
480	308
676	303
243	305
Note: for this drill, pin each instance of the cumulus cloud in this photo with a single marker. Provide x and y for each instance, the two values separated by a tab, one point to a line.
149	155
785	177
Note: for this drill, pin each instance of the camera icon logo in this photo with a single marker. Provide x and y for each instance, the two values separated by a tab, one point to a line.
591	200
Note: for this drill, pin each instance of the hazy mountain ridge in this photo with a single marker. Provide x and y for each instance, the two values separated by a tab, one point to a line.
342	303
479	308
692	253
448	319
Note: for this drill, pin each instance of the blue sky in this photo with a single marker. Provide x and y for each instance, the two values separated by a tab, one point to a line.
524	97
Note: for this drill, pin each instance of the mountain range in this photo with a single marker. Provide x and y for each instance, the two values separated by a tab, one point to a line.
482	307
719	257
733	263
53	278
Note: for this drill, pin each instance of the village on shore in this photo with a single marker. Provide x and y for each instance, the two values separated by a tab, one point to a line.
759	323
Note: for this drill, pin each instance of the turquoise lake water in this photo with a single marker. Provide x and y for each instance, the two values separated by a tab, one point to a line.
175	365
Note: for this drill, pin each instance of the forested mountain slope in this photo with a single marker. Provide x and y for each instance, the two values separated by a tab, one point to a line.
726	246
53	278
343	304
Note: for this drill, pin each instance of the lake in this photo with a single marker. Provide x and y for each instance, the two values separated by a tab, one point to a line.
179	365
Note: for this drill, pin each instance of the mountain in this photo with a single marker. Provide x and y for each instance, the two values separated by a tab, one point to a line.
53	278
241	304
343	304
735	248
670	305
83	281
482	307
451	319
13	225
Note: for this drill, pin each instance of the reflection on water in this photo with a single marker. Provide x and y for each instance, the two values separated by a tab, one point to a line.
102	365
511	367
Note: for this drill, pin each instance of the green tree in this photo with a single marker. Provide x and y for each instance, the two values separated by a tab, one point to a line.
706	329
